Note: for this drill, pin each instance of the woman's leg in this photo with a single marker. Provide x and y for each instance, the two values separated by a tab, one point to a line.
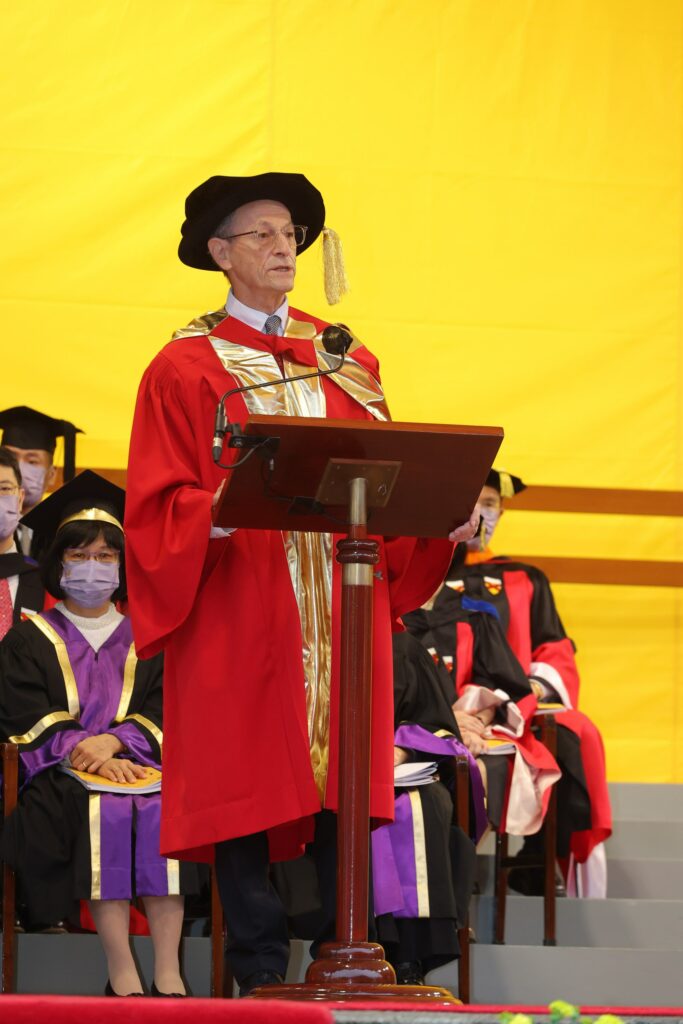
165	917
111	919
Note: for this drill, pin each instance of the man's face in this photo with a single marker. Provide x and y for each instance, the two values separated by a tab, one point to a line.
41	475
257	270
490	498
9	484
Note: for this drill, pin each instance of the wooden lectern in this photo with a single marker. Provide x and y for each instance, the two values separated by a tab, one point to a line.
363	478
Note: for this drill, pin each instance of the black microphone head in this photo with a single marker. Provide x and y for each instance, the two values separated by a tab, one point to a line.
336	339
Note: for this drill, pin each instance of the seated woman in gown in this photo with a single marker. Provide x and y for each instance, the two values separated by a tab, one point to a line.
73	694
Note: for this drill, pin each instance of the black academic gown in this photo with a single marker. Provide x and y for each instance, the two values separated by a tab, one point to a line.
423	696
48	838
30	595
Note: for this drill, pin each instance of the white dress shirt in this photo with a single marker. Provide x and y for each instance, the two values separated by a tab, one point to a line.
12	580
256	318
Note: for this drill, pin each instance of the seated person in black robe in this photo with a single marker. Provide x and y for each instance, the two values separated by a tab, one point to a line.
421	932
21	590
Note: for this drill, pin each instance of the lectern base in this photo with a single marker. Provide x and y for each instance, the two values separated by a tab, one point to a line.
354	971
340	993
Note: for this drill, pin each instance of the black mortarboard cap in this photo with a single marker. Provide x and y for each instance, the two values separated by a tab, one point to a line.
217	197
87	497
505	483
27	428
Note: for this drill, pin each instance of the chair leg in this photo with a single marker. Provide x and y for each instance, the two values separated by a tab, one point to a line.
221	975
10	767
500	882
462	790
464	966
549	738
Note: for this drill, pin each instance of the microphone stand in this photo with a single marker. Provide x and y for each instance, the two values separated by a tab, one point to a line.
336	340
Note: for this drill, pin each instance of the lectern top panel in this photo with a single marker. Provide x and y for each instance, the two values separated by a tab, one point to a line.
442	471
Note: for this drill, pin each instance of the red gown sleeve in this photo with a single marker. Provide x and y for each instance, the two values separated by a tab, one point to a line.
416	568
168	511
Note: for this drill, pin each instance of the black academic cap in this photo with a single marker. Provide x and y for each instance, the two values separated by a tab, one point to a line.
506	484
217	197
87	497
27	428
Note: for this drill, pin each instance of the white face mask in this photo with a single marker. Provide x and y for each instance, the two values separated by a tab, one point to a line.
490	518
9	514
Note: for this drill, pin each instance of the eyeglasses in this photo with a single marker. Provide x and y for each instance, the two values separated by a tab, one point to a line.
75	556
294	236
7	489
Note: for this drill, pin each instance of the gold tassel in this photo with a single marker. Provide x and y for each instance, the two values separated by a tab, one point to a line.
507	489
336	283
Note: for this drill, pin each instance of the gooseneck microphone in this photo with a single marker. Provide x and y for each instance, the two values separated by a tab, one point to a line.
336	340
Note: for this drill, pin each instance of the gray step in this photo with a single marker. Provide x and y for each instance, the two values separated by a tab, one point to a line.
627	878
645	879
605	977
637	801
637	924
75	964
634	840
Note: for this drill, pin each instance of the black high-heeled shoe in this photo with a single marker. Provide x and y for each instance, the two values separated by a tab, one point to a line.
154	991
109	991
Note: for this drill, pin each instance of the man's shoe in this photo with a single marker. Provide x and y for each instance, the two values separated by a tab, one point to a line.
259	978
409	973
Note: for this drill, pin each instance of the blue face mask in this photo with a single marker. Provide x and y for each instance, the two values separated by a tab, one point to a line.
90	583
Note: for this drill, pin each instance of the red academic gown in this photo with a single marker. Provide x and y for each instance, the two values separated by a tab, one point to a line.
236	750
524	599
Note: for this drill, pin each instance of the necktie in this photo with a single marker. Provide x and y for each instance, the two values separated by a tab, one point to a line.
5	607
272	324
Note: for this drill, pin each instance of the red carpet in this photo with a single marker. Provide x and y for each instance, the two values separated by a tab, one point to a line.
79	1009
86	1010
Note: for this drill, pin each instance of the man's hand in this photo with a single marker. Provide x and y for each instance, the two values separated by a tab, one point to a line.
93	751
467	530
469	723
219	491
475	744
486	716
120	769
400	756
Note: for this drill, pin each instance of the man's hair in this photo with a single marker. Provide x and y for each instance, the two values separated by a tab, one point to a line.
222	231
78	534
8	458
225	226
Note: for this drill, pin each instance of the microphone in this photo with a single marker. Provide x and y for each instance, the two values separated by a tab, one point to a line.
336	340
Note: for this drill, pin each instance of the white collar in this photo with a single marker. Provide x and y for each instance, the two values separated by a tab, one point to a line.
255	318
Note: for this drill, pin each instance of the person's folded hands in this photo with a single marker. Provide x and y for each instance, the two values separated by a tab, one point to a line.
120	769
90	753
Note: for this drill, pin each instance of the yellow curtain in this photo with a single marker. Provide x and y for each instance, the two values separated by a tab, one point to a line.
506	178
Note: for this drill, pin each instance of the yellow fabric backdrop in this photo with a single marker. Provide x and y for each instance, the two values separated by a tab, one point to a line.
506	176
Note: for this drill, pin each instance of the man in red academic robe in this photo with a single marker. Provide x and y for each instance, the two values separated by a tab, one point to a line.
250	619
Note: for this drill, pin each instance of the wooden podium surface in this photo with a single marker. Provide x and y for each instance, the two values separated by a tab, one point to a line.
441	470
